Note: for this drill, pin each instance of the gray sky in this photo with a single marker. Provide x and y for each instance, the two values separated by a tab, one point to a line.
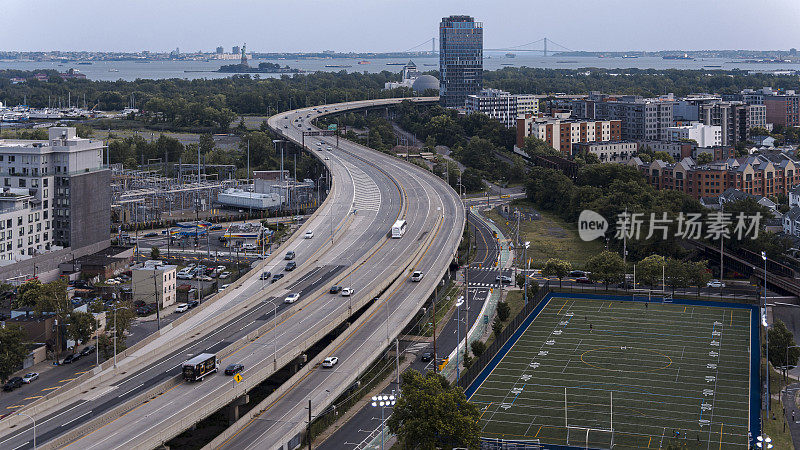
380	25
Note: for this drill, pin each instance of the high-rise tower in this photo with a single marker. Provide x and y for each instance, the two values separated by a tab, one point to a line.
460	59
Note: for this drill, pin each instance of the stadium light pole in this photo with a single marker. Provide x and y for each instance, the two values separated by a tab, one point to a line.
766	328
458	336
383	401
527	270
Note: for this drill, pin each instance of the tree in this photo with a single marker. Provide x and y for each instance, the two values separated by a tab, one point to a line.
432	414
80	327
503	311
497	326
704	158
12	350
607	267
478	347
520	280
698	274
677	273
155	253
28	295
780	339
556	268
467	360
664	156
650	269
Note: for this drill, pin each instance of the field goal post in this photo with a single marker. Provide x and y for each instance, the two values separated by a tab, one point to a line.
585	432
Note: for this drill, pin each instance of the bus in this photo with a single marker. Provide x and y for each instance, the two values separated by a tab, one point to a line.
198	367
399	229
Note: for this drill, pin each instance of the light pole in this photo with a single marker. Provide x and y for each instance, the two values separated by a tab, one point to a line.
764	441
458	336
786	369
34	427
527	270
115	333
383	401
766	328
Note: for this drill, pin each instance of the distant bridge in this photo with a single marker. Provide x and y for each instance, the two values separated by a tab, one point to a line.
543	45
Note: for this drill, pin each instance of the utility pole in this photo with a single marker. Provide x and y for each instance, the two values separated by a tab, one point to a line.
155	293
309	424
435	300
397	359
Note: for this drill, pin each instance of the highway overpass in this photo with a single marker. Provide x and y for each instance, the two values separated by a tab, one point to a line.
370	191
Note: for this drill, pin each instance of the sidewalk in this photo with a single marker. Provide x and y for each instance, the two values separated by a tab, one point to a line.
790	397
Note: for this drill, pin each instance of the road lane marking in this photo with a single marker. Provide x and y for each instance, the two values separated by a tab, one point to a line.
73	420
34	397
14	407
51	388
67	379
131	390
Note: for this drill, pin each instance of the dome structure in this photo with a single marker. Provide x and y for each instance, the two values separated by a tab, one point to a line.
424	83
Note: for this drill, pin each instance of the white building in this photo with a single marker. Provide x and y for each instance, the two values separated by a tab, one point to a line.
409	74
54	193
704	135
502	105
155	281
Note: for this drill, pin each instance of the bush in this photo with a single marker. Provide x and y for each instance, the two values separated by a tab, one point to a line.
478	347
503	311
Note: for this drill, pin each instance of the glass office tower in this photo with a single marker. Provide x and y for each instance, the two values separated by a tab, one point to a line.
460	59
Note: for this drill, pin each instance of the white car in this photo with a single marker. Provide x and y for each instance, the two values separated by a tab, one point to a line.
347	292
29	377
291	298
222	288
715	284
330	361
417	276
329	148
309	234
183	307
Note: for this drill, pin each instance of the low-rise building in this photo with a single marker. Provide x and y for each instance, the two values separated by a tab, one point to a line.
561	132
155	282
619	151
703	135
791	221
501	105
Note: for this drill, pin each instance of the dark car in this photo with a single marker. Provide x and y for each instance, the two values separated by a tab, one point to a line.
289	255
193	304
12	384
151	234
71	358
583	280
88	350
577	273
335	289
291	265
427	356
266	276
139	303
277	277
233	369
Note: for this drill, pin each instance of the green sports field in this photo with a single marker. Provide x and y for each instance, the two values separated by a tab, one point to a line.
679	375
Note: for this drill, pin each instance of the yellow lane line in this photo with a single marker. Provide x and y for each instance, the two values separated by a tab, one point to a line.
34	397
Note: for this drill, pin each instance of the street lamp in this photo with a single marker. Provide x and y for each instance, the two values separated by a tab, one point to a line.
766	328
786	368
458	335
115	333
383	401
527	269
34	427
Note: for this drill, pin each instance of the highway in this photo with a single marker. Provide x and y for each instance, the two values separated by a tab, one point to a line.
364	203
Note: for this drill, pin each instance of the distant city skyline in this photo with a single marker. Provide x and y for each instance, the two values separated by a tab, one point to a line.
367	25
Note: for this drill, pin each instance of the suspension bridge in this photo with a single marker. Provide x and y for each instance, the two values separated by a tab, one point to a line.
545	46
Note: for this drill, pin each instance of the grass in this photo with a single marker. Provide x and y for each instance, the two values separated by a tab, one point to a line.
551	237
774	428
516	301
655	359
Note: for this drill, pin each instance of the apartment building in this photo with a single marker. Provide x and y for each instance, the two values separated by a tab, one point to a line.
641	118
607	151
768	174
54	194
562	133
501	105
155	281
734	118
703	135
783	109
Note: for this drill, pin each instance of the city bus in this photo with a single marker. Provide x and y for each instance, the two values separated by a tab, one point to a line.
399	229
198	367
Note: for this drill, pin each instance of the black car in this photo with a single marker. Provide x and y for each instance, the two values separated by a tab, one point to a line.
335	289
266	276
193	304
12	384
277	277
233	369
88	350
291	265
427	356
71	358
577	273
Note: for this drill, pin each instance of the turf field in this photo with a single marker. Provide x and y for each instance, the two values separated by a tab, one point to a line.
671	368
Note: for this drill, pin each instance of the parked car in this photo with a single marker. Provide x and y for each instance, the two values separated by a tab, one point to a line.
504	279
330	361
347	292
193	304
222	288
277	277
291	298
417	276
88	350
290	266
715	284
224	275
183	307
151	234
12	384
583	280
28	378
71	358
204	278
233	369
335	289
289	255
427	356
577	273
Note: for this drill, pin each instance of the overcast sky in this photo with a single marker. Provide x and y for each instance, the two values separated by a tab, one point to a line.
379	25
